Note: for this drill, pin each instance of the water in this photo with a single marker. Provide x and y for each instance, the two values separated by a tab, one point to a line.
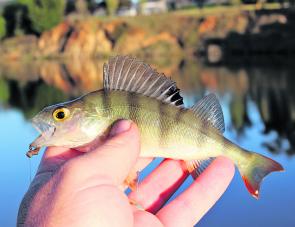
258	104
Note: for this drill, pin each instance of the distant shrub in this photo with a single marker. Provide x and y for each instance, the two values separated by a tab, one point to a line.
235	2
125	3
4	91
17	20
2	27
81	7
45	14
141	3
112	6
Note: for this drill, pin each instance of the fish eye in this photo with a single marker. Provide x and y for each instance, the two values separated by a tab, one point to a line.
61	114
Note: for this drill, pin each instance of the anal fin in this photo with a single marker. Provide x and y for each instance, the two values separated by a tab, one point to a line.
132	182
197	167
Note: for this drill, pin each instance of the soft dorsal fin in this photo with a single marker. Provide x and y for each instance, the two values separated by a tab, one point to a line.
125	73
209	111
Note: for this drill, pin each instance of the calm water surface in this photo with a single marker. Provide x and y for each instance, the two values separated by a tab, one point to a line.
259	109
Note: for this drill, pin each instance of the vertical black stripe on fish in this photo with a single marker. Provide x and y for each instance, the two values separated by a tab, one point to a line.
207	129
133	100
179	114
164	126
106	102
224	143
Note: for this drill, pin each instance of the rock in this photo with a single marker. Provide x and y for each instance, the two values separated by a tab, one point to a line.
85	73
214	53
22	71
130	41
115	29
83	38
163	37
208	25
17	47
75	77
55	74
88	39
139	42
52	42
150	37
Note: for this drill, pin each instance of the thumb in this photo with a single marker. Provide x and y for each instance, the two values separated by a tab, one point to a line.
115	158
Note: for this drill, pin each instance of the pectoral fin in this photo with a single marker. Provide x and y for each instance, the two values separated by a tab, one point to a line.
132	180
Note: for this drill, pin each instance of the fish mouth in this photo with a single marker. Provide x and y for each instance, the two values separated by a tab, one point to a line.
46	132
45	129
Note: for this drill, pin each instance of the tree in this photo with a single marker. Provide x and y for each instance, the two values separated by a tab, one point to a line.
112	6
2	27
141	3
81	7
125	3
17	19
235	2
45	14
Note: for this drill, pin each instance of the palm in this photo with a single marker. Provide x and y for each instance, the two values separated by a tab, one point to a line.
83	189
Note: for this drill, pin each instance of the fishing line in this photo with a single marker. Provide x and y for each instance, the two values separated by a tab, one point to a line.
30	170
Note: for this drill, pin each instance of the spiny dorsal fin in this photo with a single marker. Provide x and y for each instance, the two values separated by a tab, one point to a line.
125	73
196	167
209	111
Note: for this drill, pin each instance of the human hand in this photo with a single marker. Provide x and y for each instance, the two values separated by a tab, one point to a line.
82	189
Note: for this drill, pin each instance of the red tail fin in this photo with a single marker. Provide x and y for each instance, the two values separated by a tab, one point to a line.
254	172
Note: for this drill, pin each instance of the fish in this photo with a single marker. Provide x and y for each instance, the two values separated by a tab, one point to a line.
135	91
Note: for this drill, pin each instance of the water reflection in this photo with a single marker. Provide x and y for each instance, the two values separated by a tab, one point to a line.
32	85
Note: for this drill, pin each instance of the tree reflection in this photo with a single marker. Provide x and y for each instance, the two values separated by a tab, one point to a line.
31	86
33	96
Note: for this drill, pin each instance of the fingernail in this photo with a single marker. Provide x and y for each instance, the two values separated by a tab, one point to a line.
120	127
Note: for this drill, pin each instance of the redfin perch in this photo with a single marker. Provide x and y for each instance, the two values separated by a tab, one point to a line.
133	90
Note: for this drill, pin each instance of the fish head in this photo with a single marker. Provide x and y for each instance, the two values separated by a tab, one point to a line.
68	124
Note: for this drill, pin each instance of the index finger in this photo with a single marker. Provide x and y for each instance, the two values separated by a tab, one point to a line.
156	189
190	206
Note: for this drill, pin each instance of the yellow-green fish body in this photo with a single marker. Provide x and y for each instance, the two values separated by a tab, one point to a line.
132	90
166	130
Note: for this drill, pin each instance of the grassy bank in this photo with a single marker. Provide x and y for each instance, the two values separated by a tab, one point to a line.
169	35
217	10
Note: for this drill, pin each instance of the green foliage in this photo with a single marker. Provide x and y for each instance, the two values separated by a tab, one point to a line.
45	14
235	2
237	110
164	52
125	3
2	27
17	20
81	7
112	6
141	2
18	29
4	91
44	95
